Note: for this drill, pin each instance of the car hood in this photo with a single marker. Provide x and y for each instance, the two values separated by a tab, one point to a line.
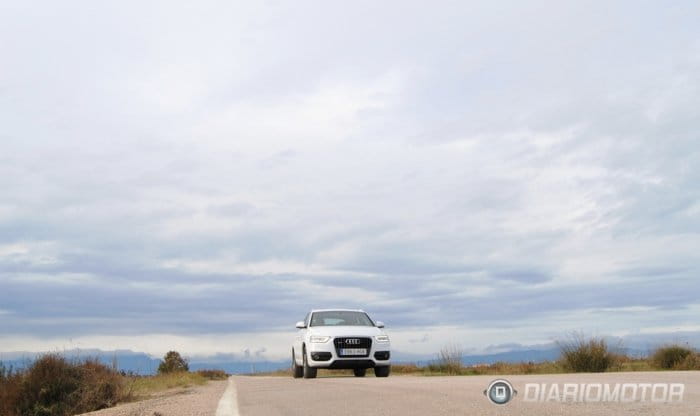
342	331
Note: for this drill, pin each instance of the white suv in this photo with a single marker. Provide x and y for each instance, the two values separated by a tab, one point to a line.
340	338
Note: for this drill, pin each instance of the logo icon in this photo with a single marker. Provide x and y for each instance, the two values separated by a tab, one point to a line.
352	341
500	392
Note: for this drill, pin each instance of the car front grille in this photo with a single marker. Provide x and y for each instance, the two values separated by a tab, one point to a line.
352	342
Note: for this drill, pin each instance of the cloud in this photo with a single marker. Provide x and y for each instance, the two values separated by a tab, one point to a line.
424	338
456	169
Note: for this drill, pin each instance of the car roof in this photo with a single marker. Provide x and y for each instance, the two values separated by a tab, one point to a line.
336	310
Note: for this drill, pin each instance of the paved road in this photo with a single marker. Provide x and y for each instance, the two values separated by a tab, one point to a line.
446	396
407	395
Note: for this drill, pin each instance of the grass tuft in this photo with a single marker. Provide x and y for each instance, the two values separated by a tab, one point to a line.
582	355
449	360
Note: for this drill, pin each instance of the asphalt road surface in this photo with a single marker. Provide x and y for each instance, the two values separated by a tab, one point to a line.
408	395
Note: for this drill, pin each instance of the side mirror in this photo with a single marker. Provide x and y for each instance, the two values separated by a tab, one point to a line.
380	324
300	325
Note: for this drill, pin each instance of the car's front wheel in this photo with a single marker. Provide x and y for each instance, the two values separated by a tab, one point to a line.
359	372
382	371
297	370
309	372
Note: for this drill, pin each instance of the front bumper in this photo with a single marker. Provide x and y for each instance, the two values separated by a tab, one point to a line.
325	355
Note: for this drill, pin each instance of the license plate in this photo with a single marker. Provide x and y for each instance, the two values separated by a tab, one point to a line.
353	351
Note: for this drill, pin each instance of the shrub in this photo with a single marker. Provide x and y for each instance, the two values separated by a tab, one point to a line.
10	390
100	386
582	355
671	356
406	368
691	362
53	386
47	387
172	362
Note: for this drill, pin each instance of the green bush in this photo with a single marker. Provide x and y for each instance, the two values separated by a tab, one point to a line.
172	362
582	355
671	356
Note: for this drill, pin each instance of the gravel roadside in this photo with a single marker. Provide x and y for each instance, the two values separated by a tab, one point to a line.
190	401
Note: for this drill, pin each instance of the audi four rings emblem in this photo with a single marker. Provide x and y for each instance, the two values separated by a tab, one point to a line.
353	341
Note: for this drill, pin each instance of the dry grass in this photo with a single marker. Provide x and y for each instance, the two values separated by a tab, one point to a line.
498	368
287	372
578	354
405	368
622	363
282	372
625	363
140	387
213	374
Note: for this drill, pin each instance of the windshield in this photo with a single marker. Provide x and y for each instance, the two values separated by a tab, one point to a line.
337	318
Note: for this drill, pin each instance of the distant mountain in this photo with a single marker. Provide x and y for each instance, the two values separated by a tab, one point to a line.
144	364
510	353
518	355
126	360
513	356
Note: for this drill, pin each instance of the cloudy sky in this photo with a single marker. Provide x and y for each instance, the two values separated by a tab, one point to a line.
198	175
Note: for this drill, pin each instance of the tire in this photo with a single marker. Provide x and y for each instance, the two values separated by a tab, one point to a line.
297	370
359	372
309	372
382	371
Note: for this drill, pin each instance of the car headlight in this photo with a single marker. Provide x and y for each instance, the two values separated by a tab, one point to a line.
382	338
319	339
